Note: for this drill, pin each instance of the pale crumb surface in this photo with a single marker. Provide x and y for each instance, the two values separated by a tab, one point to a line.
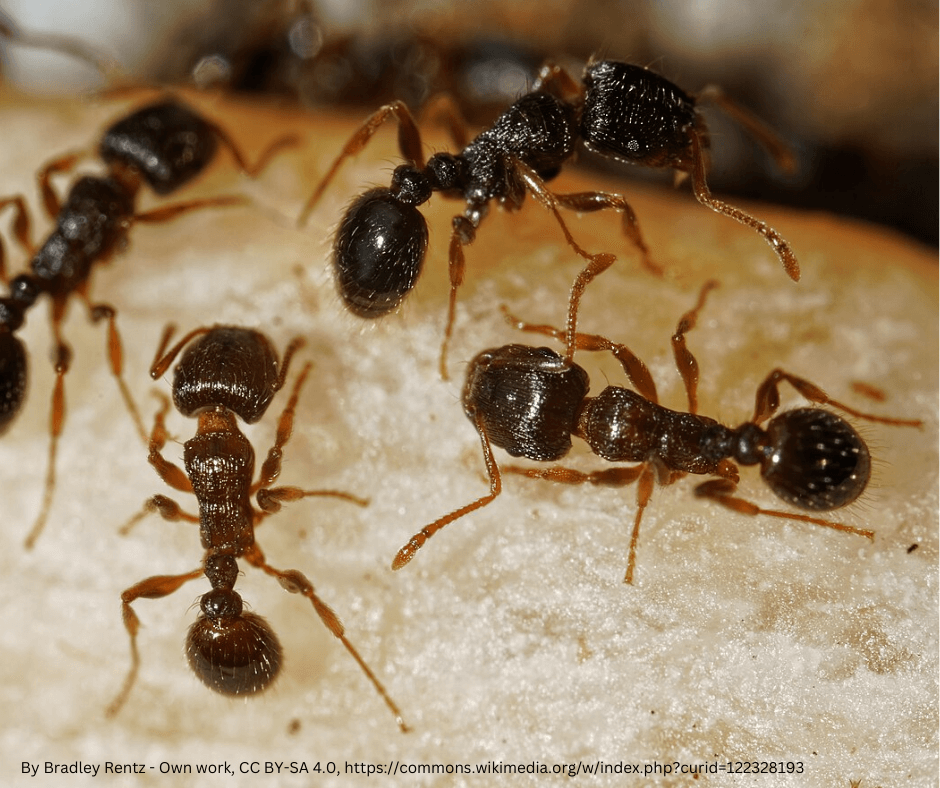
510	637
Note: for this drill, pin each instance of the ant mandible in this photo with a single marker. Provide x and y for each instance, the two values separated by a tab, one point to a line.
227	372
620	111
529	401
165	145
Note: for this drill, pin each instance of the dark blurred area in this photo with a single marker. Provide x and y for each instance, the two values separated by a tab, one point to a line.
852	86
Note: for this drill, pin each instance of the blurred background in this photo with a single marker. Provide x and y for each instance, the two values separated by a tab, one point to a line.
852	84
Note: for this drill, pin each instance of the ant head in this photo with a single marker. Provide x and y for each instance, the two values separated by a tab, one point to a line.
814	459
634	115
232	652
166	142
378	253
528	399
230	366
13	366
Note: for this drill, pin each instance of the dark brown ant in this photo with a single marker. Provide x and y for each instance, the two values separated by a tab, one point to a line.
620	111
163	145
530	401
224	373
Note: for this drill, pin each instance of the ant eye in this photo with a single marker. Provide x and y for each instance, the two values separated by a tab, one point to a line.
817	461
379	251
234	656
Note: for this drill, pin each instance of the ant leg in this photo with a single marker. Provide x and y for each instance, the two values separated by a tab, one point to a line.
168	508
536	186
768	400
757	128
105	65
168	212
409	143
551	75
271	468
685	361
415	543
161	361
588	202
584	278
296	583
271	499
633	366
116	359
21	230
465	231
721	491
171	474
253	170
463	234
50	199
442	110
613	477
63	361
151	588
704	196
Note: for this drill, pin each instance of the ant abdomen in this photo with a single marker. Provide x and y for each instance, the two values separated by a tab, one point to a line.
232	367
527	399
379	251
635	115
233	654
815	459
167	143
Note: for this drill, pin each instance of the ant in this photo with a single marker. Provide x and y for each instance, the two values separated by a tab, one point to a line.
530	401
224	373
163	145
619	111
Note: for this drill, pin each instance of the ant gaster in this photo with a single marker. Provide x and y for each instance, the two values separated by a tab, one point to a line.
225	373
530	401
164	145
620	111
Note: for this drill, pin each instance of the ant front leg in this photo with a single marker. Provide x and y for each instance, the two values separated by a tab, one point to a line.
253	170
171	473
50	199
409	143
588	202
271	468
107	312
63	361
768	400
169	212
21	230
757	128
645	474
492	469
296	583
633	366
442	110
151	588
685	361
